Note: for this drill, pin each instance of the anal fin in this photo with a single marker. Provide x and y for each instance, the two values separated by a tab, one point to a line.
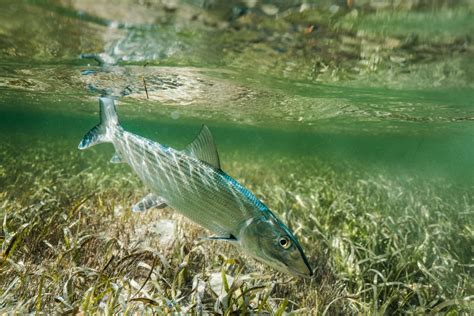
149	201
230	238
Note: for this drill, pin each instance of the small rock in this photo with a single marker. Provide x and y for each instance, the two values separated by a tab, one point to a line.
353	14
270	9
118	210
392	43
217	285
334	9
305	6
397	59
166	231
250	3
175	115
170	5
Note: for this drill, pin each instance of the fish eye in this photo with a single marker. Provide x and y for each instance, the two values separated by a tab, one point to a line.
284	242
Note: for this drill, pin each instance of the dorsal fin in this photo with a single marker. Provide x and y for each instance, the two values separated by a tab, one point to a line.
204	148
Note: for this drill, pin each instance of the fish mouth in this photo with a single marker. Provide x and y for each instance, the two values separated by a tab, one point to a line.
300	268
297	272
308	275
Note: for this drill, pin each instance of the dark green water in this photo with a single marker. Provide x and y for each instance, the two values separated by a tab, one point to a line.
439	151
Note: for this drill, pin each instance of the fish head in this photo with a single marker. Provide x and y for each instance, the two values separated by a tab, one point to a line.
268	240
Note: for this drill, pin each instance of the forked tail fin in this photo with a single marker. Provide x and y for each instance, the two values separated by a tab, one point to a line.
103	131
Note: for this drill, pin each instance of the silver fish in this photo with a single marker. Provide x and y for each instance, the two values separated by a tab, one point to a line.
192	182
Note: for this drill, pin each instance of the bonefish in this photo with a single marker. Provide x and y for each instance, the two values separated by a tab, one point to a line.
192	182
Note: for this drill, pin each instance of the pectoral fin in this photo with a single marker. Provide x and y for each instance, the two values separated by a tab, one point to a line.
116	158
149	201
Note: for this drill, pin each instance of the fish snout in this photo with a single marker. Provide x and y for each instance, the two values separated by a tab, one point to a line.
302	269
